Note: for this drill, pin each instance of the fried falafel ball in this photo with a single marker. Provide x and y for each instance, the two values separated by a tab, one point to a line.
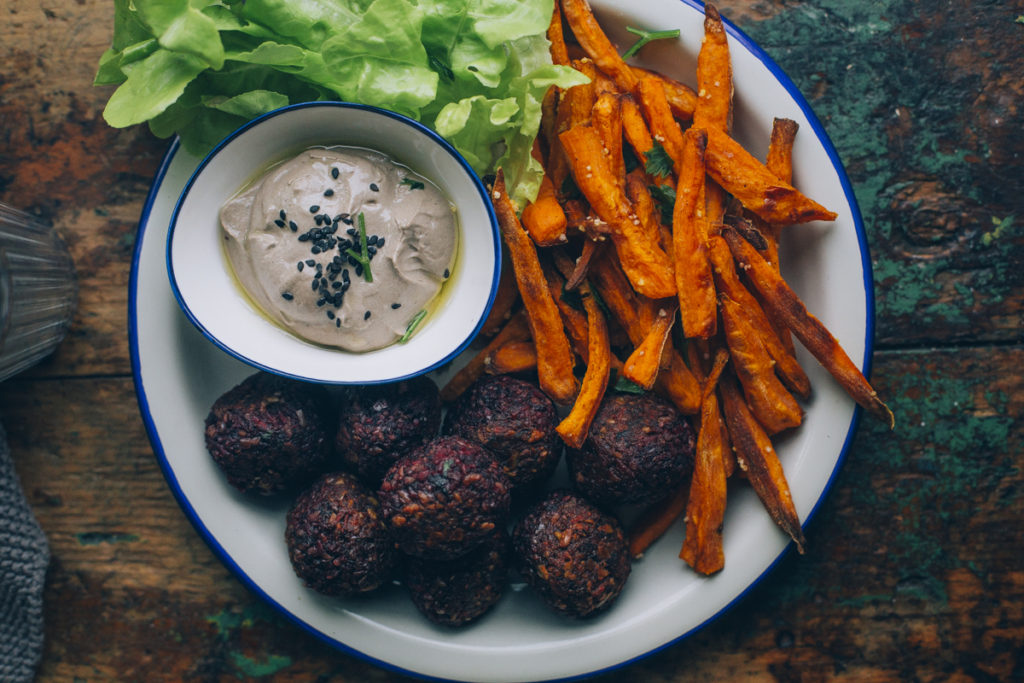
513	419
380	423
638	450
337	541
444	498
270	434
572	554
457	592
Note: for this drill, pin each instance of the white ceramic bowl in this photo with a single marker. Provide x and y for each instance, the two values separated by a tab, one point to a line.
207	292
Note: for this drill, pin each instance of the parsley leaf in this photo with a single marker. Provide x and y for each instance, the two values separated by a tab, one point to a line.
659	163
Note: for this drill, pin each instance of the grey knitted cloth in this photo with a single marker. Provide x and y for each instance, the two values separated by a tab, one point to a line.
24	556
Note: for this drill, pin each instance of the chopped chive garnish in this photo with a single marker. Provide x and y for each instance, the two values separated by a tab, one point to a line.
362	256
413	324
646	37
413	184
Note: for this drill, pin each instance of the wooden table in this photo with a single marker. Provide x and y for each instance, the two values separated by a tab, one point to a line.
913	569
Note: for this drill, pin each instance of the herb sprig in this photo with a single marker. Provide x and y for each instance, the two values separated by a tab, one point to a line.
363	255
646	37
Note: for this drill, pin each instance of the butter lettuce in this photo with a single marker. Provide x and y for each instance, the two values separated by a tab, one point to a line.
474	70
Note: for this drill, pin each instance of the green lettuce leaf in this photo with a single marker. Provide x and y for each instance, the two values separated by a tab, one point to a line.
474	70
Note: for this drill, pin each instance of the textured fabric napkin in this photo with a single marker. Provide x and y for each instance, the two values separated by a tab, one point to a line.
24	556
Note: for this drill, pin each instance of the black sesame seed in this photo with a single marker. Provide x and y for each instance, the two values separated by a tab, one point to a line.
335	285
396	306
344	275
351	231
316	250
334	172
346	219
380	242
366	316
374	188
330	314
282	214
328	192
314	209
337	323
321	302
370	251
359	269
300	265
279	223
446	272
371	240
287	296
316	285
310	262
293	226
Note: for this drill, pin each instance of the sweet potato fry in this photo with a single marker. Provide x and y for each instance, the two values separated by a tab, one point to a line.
664	128
515	356
644	261
728	282
695	284
705	510
636	315
596	44
582	265
757	188
544	218
556	36
645	208
681	98
783	301
573	428
607	120
773	406
554	356
757	457
714	75
642	366
655	521
780	162
504	299
574	320
635	128
780	148
516	329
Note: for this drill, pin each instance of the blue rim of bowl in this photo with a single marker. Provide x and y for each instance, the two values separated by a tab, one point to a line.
411	123
868	283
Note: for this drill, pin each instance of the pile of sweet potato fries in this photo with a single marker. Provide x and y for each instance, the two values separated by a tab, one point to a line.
650	214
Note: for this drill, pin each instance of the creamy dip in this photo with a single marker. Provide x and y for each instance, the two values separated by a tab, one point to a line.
293	239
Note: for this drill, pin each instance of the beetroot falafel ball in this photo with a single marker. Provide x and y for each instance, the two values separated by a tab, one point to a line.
337	541
639	449
457	592
513	419
270	433
444	498
572	554
380	423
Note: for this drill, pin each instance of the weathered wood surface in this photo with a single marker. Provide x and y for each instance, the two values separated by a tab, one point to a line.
913	564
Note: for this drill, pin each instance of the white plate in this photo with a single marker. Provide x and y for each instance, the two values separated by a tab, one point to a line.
178	375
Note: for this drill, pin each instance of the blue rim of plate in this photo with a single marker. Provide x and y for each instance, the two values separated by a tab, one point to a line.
416	126
228	561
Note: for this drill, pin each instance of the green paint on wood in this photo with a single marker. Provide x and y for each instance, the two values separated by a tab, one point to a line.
250	668
101	537
895	129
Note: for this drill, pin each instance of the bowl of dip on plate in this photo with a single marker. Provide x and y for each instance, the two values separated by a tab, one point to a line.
335	243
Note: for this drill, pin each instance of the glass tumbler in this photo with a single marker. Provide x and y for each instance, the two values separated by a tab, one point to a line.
38	289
